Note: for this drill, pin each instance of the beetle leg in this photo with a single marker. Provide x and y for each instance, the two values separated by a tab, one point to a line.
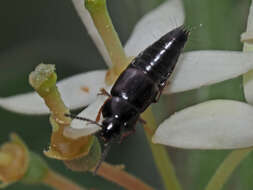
126	134
159	93
145	127
100	111
104	93
142	121
148	130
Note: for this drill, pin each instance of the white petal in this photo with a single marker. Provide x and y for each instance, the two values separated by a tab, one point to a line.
201	68
72	89
28	103
247	38
91	29
216	124
155	24
79	128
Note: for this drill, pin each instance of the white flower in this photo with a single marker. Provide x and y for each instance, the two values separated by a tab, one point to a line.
214	124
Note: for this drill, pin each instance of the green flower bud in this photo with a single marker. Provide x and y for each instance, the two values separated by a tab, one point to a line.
17	163
43	79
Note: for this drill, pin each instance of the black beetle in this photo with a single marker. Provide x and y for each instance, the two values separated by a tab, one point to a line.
139	85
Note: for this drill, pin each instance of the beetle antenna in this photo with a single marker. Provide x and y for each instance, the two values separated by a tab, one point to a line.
82	118
107	147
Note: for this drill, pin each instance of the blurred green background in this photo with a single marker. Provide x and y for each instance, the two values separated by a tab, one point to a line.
51	32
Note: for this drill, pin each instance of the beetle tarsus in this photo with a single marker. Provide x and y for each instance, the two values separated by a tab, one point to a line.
103	92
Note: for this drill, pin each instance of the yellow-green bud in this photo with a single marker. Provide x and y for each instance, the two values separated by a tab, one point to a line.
43	79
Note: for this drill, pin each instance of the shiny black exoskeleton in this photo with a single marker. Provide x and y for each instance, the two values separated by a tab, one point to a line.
141	84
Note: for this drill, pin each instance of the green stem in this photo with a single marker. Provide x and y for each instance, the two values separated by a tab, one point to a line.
103	23
226	168
160	155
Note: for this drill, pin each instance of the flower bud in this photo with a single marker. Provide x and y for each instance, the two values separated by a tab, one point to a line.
14	159
43	80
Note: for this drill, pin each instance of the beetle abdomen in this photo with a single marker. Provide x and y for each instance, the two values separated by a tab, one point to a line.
159	59
146	75
138	86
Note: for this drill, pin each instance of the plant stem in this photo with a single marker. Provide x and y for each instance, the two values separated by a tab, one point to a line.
103	23
59	182
226	168
160	155
122	178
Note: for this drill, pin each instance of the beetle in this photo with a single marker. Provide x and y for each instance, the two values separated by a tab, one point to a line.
138	86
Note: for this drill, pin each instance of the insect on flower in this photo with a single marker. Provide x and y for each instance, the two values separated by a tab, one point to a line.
139	85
